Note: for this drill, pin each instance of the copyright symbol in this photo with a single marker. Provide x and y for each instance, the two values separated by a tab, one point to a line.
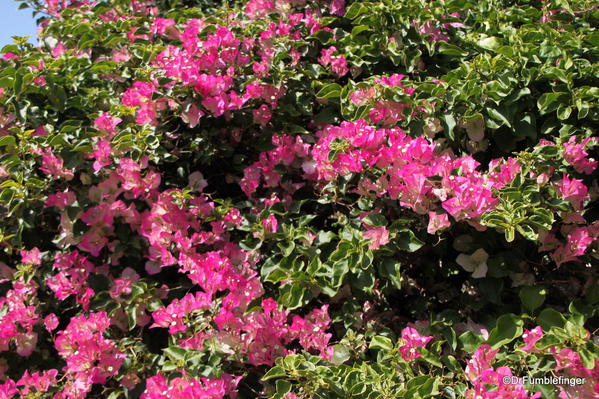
507	379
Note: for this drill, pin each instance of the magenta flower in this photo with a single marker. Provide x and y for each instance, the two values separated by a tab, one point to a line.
107	123
32	257
576	155
412	340
437	221
378	235
531	337
573	190
51	322
53	166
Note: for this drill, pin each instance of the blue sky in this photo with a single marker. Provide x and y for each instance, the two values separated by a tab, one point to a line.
15	22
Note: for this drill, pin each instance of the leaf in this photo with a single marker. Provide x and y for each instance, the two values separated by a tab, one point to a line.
510	234
359	29
355	10
429	357
550	318
332	90
563	112
323	36
294	295
340	270
341	354
375	220
132	316
275	372
527	127
470	341
283	388
451	49
489	43
175	353
549	102
532	297
407	240
588	360
508	328
499	115
449	124
7	141
380	342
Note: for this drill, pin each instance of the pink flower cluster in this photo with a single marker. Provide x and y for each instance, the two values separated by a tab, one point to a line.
497	383
19	317
412	340
29	384
53	166
570	362
490	383
91	358
576	155
432	30
384	111
264	334
578	240
173	316
74	269
107	123
415	172
54	7
140	97
530	338
337	62
287	150
158	387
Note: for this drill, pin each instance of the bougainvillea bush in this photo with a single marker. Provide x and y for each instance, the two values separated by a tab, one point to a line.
301	199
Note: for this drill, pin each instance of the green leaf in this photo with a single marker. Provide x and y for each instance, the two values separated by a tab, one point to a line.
323	36
549	102
375	220
510	234
380	342
407	240
470	341
18	84
588	360
451	49
275	372
508	328
359	29
563	112
499	115
550	318
132	316
340	270
175	353
527	127
341	354
283	388
355	10
332	90
489	43
294	295
449	124
532	297
429	357
7	141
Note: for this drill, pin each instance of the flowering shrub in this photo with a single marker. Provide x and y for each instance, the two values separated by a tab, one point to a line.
300	199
